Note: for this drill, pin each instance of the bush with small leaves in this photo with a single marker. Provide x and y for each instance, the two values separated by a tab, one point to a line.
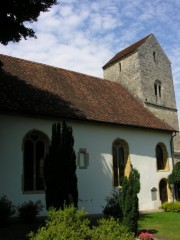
113	206
67	223
174	177
6	209
171	206
28	211
110	229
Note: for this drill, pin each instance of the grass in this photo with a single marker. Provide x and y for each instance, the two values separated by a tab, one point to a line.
163	225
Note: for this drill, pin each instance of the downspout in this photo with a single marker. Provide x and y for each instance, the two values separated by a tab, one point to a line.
172	148
172	155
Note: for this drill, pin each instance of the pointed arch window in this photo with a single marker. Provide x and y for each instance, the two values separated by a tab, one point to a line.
162	157
121	162
35	146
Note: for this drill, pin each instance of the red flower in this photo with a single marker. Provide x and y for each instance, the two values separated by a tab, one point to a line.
145	236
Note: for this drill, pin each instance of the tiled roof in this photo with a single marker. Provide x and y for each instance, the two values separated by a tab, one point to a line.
40	90
126	51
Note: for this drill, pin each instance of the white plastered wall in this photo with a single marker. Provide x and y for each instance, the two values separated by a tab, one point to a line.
95	182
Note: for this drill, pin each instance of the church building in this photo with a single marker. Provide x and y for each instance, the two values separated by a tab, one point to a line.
129	117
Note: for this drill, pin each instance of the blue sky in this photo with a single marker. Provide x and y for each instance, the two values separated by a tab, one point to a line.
82	35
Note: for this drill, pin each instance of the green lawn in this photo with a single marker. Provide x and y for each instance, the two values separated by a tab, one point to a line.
164	225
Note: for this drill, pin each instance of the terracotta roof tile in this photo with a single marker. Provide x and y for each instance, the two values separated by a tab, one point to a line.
40	90
126	51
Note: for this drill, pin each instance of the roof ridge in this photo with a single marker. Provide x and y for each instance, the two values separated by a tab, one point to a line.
48	65
127	50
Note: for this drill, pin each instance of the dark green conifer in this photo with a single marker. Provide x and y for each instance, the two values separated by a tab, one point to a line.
129	200
60	168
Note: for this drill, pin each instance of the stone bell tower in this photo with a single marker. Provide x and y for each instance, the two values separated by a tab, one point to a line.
145	70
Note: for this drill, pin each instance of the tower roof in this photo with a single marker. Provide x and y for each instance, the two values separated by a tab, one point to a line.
126	51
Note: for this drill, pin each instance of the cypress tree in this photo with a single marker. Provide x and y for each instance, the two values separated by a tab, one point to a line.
129	200
60	168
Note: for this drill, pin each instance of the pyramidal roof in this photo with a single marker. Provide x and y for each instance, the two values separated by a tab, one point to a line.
127	51
33	89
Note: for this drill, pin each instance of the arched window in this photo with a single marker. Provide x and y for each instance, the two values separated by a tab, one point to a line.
121	161
35	147
163	190
162	157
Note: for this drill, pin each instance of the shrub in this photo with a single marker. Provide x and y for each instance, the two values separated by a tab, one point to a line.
28	211
113	206
110	229
68	223
124	203
174	177
6	209
72	224
171	206
130	202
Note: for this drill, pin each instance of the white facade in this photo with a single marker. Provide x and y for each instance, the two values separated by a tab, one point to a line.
95	182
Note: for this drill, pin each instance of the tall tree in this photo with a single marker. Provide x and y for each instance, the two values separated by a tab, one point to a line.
14	14
60	168
69	165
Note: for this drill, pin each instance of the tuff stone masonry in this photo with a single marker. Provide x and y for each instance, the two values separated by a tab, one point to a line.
145	70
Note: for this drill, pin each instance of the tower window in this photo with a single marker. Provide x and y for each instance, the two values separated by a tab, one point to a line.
154	56
120	67
157	90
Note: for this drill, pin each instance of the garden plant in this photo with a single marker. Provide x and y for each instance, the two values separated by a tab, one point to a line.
28	211
123	203
72	224
171	206
145	236
6	209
